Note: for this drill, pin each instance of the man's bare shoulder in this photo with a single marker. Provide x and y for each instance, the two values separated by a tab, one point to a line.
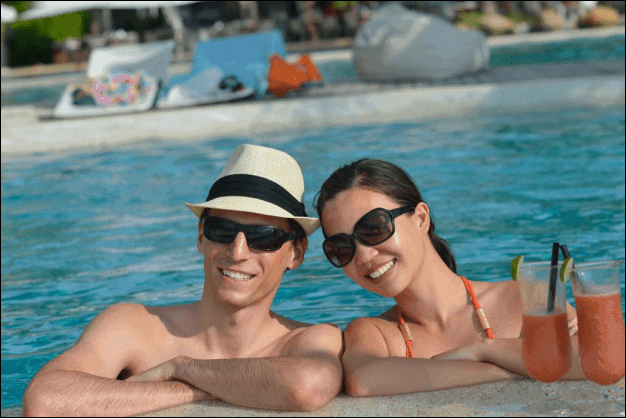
116	319
109	344
125	318
306	336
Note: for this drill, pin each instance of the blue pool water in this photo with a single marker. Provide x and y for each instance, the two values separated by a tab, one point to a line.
86	230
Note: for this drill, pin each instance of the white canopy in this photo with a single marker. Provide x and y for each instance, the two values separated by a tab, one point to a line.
9	14
43	9
153	58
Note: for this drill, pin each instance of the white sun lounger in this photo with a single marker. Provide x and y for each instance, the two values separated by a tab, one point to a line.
151	59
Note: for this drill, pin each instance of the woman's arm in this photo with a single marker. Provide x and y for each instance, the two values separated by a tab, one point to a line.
507	353
370	371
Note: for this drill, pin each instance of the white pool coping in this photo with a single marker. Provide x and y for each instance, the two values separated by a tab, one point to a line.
23	133
523	398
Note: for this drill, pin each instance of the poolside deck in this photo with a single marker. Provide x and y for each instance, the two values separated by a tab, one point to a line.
26	129
524	398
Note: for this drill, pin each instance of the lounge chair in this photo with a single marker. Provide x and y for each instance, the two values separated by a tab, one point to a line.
146	63
244	60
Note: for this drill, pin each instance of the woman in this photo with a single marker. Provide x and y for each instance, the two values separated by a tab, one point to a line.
379	230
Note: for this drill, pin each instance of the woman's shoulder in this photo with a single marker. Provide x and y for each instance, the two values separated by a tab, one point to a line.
383	327
502	304
380	323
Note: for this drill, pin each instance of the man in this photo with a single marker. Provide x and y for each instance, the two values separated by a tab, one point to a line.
229	345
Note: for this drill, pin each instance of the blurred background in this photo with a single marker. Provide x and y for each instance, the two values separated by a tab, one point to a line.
58	32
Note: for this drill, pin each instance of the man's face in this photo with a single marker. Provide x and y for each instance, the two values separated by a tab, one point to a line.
240	276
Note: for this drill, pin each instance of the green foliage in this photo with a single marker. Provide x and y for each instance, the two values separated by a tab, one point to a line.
57	28
20	6
31	40
470	19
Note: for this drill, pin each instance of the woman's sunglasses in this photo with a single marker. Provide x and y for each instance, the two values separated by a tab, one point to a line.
373	228
259	237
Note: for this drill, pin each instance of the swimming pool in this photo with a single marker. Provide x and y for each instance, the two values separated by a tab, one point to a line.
85	230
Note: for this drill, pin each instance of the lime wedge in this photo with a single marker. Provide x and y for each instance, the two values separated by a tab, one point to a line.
515	266
566	268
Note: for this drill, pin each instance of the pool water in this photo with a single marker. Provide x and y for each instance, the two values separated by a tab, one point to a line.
85	230
588	49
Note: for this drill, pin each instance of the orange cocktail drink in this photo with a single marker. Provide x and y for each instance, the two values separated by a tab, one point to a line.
600	320
546	347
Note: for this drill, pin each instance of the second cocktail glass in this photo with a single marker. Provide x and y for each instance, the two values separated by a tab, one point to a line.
600	320
546	347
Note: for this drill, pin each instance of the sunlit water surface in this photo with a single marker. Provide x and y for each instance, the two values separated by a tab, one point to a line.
86	230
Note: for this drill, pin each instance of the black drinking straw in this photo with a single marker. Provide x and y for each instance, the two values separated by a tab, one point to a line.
554	268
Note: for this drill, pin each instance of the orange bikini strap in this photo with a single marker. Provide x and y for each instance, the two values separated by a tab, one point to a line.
406	333
482	318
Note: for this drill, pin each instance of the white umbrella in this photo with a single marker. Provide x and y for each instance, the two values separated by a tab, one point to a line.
43	9
9	14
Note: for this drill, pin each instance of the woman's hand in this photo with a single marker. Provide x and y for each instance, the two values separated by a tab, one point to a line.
505	353
471	352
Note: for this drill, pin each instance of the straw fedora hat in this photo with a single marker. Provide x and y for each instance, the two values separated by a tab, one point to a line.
263	181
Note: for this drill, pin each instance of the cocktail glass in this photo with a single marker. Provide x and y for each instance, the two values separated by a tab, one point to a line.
600	320
546	346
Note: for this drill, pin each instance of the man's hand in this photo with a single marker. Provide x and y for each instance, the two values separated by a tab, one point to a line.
163	372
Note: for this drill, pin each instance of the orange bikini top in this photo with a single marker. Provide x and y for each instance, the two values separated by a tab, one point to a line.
404	328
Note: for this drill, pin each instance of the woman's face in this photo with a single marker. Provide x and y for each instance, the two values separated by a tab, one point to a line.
389	267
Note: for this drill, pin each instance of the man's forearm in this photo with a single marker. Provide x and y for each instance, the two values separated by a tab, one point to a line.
283	383
72	393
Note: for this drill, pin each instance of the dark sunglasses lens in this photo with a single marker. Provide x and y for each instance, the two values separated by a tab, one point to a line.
219	230
265	238
258	237
339	250
374	228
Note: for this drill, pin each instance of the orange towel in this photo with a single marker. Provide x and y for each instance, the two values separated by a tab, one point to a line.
283	77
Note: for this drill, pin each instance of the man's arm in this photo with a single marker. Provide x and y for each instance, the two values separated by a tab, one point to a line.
306	378
73	393
370	371
82	380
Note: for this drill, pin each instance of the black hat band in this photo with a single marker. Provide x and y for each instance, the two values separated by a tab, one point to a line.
257	187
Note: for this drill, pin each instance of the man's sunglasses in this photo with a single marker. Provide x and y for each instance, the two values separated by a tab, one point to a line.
259	237
373	228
